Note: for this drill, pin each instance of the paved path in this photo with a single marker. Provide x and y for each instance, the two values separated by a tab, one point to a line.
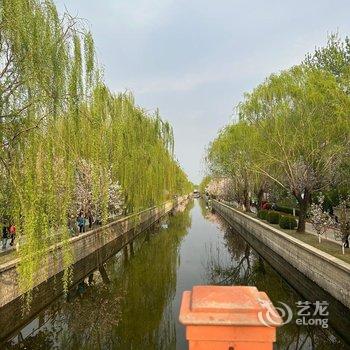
11	249
8	247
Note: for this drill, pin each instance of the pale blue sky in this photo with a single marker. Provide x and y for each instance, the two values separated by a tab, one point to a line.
194	59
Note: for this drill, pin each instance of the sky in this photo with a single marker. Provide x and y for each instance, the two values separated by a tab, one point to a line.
194	59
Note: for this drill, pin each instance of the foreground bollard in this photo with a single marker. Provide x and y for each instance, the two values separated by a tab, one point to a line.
228	318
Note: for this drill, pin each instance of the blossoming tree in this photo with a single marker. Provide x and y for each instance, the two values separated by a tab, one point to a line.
320	219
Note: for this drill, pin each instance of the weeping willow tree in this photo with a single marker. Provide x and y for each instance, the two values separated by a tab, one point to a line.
56	114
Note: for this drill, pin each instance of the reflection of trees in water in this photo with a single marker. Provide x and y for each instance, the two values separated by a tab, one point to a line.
149	282
243	266
186	205
203	207
91	318
236	267
42	340
84	321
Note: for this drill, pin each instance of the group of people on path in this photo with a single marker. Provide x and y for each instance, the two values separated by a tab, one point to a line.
8	232
77	224
81	221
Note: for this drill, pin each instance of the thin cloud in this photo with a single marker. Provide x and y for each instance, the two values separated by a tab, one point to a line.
142	13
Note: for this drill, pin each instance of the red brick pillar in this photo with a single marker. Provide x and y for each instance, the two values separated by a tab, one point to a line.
228	318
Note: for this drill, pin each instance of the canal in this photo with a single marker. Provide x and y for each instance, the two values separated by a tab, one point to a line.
134	303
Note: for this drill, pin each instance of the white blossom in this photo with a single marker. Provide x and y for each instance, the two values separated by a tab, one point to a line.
87	202
320	220
343	223
83	187
221	188
116	199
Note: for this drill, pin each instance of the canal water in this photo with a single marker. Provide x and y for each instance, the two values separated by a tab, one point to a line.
134	303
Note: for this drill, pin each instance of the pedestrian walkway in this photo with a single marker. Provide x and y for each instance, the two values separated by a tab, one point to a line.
7	254
7	249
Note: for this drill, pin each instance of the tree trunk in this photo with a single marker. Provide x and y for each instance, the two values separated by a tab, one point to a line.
260	196
303	208
246	196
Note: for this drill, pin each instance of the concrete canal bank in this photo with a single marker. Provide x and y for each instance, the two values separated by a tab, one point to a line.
317	276
328	272
89	250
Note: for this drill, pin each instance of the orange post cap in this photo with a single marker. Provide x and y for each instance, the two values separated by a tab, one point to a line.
236	316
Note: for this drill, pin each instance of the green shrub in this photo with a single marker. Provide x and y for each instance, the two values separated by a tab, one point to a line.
273	217
262	214
286	210
288	223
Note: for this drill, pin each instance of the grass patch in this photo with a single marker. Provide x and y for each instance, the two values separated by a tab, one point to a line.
331	248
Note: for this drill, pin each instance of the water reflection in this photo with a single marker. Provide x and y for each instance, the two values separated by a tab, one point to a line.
75	323
149	282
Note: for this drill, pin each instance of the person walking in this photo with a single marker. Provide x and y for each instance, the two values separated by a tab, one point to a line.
81	222
91	219
4	236
12	230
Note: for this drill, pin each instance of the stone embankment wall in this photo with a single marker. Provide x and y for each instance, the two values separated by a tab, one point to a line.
328	272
